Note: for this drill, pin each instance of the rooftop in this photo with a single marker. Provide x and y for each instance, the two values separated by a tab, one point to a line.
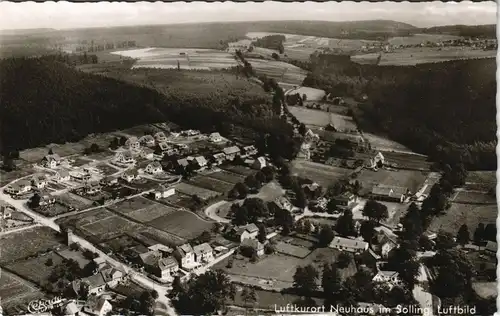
202	249
387	190
231	150
348	243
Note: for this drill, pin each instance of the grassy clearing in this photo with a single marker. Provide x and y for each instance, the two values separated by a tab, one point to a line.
244	171
485	289
381	143
7	177
312	94
473	197
265	300
181	223
322	174
480	180
460	214
194	190
417	39
36	270
16	294
225	176
321	118
400	178
292	250
107	169
40	239
86	218
211	184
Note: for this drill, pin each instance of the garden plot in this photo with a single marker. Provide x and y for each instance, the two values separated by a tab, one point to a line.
73	200
36	269
110	227
473	197
131	205
312	94
292	250
459	214
241	170
212	184
16	294
227	177
191	190
86	218
106	169
150	213
183	224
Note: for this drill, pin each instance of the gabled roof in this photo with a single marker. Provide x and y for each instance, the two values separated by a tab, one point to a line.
185	249
63	173
215	134
150	257
390	191
249	148
164	146
94	280
251	228
155	164
200	160
231	150
50	157
132	140
491	246
348	243
160	247
261	160
167	263
110	274
160	135
202	249
147	138
183	162
252	243
387	274
125	154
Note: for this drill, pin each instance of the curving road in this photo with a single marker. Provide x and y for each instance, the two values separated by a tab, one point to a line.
211	211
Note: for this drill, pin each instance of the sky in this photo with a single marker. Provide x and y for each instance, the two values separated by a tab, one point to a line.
63	15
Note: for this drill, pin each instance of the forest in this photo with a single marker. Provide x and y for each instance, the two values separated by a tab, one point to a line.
446	110
45	101
272	42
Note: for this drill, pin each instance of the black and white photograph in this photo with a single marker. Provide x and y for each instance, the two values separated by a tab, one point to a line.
244	159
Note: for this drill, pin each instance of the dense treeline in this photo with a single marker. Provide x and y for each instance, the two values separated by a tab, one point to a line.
45	101
272	42
480	31
446	110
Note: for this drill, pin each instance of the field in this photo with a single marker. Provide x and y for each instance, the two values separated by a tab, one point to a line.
330	136
312	94
292	250
413	56
417	39
194	190
480	180
85	218
485	289
211	184
130	205
21	171
225	176
74	200
472	197
40	239
322	118
382	143
469	214
150	213
322	174
239	170
161	237
279	70
266	300
184	58
181	223
110	227
15	292
35	270
400	178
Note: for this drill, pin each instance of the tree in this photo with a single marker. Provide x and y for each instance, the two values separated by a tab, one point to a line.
90	268
326	235
331	206
248	296
454	273
262	233
51	152
8	164
275	56
302	129
345	224
375	211
444	240
269	249
479	233
147	303
259	176
49	262
463	235
94	148
268	172
344	260
300	198
242	189
331	283
305	280
34	201
412	223
74	246
240	215
490	232
367	231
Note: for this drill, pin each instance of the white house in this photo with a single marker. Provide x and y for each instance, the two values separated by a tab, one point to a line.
124	157
147	140
283	203
130	175
255	244
109	180
148	153
39	182
203	253
378	158
249	231
61	176
218	158
200	162
185	255
163	192
154	168
249	151
167	267
215	138
47	200
346	244
133	143
231	152
112	276
259	163
391	278
18	188
389	193
160	137
51	161
98	307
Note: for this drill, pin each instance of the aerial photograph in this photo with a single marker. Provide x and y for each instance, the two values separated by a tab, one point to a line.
271	158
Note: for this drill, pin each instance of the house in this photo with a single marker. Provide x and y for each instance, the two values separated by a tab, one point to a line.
250	150
154	168
124	157
133	143
249	231
351	245
389	193
218	158
376	160
190	132
6	212
18	188
98	307
312	189
167	267
391	278
47	200
231	152
164	146
259	163
51	161
491	248
95	284
345	200
385	243
200	162
254	244
283	203
38	182
183	163
70	309
112	276
147	140
157	265
61	176
109	180
203	253
164	250
148	153
160	137
92	188
182	146
215	138
185	256
130	175
430	235
162	192
304	152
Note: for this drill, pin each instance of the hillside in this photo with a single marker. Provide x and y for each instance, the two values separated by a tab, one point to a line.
480	31
440	109
57	103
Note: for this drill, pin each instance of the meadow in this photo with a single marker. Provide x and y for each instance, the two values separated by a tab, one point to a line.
469	214
183	224
320	173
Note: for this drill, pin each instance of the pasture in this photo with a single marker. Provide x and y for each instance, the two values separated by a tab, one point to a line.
311	94
21	171
227	177
330	136
459	214
211	184
421	55
279	70
320	173
35	269
181	223
265	300
41	239
472	197
382	143
292	250
410	179
189	189
160	236
86	218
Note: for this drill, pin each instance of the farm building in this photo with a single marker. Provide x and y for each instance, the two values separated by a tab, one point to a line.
376	160
147	140
160	267
154	168
351	245
51	161
203	253
133	143
241	233
259	163
231	152
391	278
164	250
109	180
162	192
160	137
112	276
124	157
95	284
215	137
385	243
346	200
62	175
98	306
389	193
185	256
19	187
254	244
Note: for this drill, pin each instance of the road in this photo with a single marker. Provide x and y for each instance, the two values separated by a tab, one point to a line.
423	297
19	229
211	211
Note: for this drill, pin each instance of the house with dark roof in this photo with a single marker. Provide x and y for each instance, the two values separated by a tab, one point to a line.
154	168
19	187
389	193
95	284
109	180
385	243
133	143
185	256
147	140
231	152
112	276
249	231
51	161
39	181
347	244
345	200
203	253
255	245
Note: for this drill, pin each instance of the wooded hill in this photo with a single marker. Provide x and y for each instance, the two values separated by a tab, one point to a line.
445	110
